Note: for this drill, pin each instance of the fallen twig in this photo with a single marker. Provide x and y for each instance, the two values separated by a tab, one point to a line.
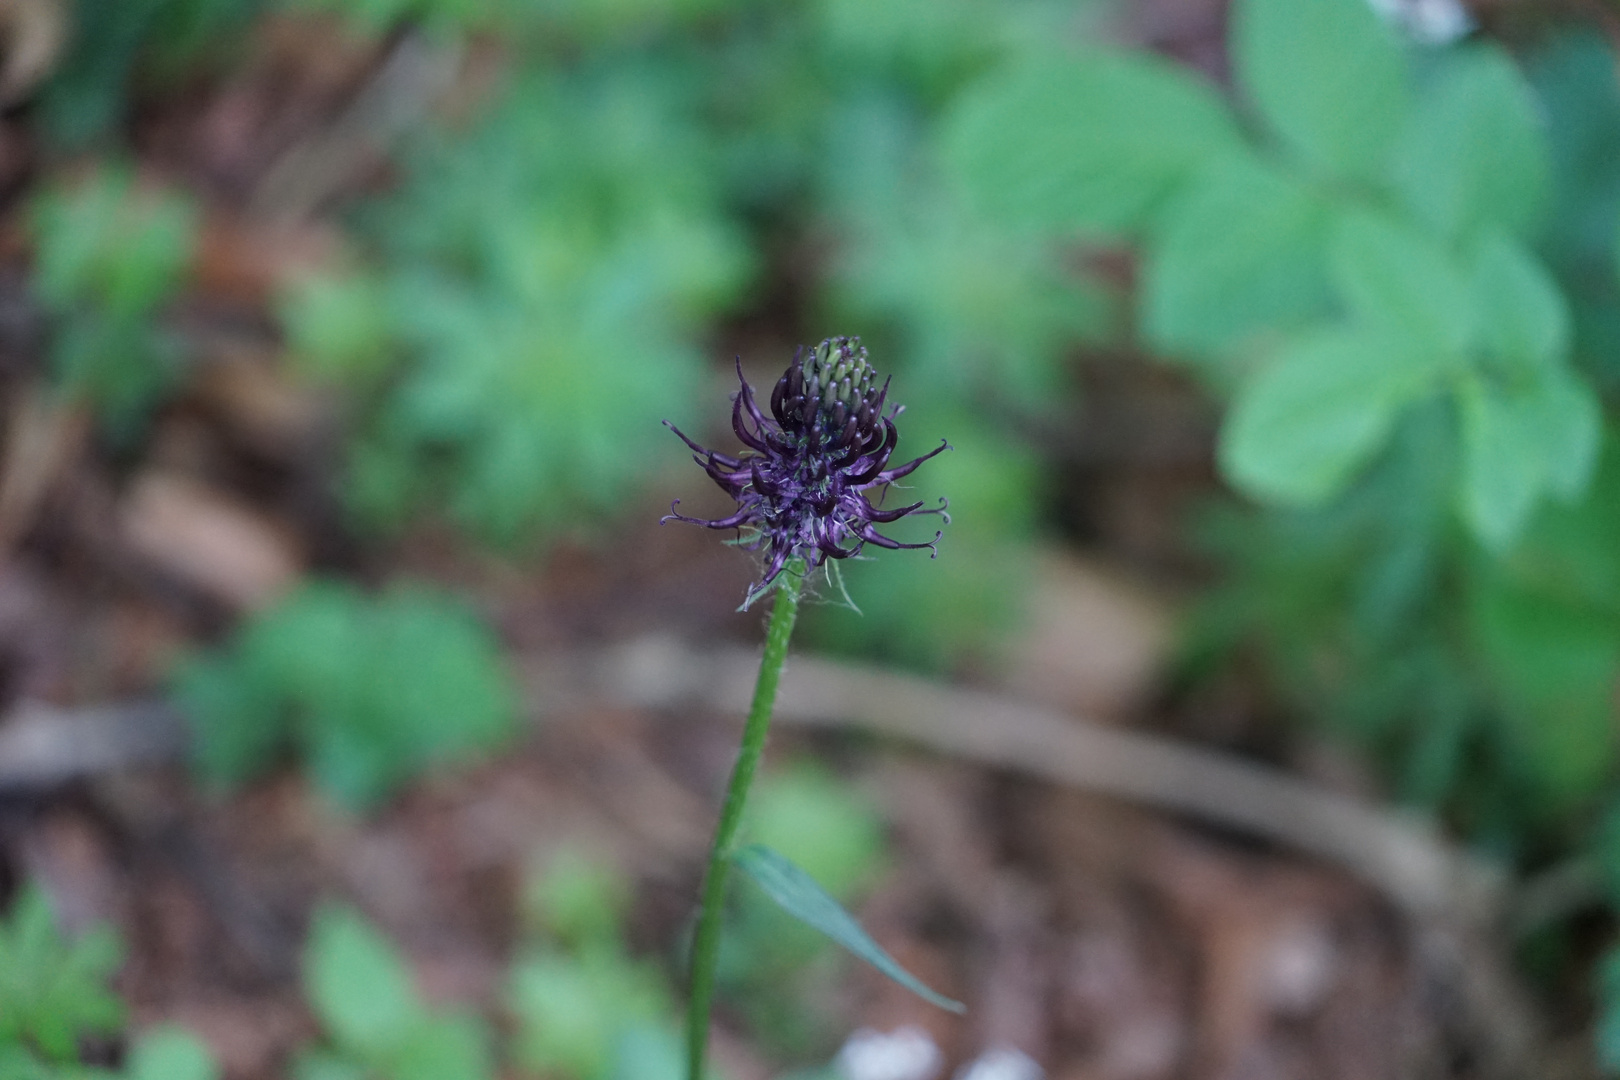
42	746
1406	860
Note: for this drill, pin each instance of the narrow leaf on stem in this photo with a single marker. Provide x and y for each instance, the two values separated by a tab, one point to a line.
797	893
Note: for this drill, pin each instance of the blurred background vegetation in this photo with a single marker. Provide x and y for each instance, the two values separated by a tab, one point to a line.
1377	251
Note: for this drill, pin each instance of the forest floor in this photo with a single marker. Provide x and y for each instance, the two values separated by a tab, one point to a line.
1109	939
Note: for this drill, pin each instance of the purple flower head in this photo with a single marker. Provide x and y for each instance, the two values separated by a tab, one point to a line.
801	482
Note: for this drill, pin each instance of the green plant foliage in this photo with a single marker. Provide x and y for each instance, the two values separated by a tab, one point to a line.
1238	254
170	1054
371	691
585	1009
1327	77
1376	262
1608	1025
108	254
159	1054
575	1012
1475	153
831	830
823	824
53	992
538	293
797	893
1090	144
977	311
1301	428
114	41
578	900
362	992
1401	282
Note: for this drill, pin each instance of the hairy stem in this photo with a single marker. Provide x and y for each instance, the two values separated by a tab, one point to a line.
706	944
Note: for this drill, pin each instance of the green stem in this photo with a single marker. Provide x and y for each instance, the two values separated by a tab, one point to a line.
706	944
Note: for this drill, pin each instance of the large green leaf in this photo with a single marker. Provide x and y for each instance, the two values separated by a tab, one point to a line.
1397	280
1475	152
798	894
1241	252
1521	441
1327	77
1302	426
1091	144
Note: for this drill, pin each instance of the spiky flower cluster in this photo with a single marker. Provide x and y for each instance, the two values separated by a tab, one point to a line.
800	483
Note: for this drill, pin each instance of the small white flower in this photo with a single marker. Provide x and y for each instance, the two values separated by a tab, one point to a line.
907	1053
1001	1063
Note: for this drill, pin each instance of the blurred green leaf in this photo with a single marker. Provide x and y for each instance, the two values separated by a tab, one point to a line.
18	1064
310	1064
1328	77
539	286
358	985
572	1010
1089	144
339	328
1523	317
1240	253
170	1054
54	991
1573	74
1608	1021
106	242
372	690
800	896
647	1052
580	900
1300	428
108	254
1555	664
1475	153
821	824
1400	283
1520	442
1568	551
976	308
932	45
444	1048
